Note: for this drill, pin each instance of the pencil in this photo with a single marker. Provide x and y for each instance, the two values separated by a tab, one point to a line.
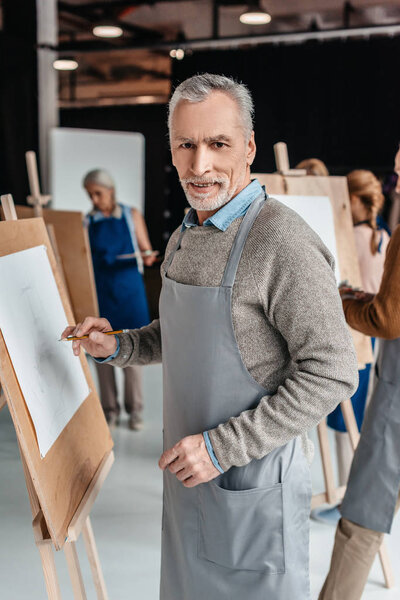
73	338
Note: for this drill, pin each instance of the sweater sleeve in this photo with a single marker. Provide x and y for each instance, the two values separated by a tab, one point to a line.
139	346
381	316
299	295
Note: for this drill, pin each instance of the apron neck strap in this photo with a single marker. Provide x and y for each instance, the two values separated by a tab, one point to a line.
177	246
240	240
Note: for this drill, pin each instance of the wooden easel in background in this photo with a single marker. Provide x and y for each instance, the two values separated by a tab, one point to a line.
295	182
63	486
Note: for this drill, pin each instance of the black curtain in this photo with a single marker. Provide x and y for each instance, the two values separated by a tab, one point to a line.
18	95
337	101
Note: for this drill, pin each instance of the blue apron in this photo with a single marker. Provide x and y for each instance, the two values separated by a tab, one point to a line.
120	288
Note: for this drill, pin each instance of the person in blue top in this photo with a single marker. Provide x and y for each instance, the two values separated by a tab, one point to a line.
116	230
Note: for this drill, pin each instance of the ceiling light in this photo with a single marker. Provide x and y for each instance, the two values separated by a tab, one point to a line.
65	64
177	53
107	31
255	15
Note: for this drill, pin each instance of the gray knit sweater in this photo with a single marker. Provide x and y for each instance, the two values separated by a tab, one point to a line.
288	321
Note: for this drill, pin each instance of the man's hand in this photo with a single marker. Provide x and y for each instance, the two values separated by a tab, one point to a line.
98	344
190	461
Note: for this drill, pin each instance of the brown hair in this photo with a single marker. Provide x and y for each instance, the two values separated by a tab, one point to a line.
313	166
366	186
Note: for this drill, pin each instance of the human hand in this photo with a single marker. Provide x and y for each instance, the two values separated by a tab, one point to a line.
98	344
149	260
189	461
364	296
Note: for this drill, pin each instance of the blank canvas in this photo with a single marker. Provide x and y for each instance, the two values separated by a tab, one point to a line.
317	213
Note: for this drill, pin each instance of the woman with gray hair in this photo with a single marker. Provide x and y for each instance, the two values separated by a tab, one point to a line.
116	230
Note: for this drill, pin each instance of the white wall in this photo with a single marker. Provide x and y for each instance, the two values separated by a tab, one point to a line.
74	152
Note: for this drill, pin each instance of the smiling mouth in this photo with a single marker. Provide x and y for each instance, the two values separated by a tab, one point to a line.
202	187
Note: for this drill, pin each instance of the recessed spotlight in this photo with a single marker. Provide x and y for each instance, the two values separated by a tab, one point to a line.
255	18
173	53
255	15
65	64
180	53
107	31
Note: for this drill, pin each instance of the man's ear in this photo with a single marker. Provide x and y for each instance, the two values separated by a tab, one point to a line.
251	149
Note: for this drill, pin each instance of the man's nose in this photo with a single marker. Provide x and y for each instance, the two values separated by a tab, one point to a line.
200	162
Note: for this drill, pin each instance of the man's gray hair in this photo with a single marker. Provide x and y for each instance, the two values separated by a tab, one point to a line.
99	177
198	87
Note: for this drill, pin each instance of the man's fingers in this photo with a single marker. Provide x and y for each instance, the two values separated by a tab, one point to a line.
92	323
68	331
183	474
176	465
191	482
167	457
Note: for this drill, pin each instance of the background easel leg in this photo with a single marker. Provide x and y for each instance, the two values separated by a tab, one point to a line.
91	549
327	466
74	570
350	421
351	426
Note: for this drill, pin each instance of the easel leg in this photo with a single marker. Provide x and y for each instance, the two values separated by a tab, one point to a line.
350	421
91	549
3	400
351	426
74	570
327	466
49	569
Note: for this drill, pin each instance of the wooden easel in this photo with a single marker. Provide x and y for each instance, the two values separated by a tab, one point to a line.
49	522
289	181
36	199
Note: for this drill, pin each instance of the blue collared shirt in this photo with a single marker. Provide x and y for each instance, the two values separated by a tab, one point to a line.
235	208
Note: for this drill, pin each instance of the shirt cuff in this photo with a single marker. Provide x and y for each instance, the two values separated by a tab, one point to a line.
106	360
210	451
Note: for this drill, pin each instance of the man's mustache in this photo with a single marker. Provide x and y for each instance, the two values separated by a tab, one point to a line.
201	181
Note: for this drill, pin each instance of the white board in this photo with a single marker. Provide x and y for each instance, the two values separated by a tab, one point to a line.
317	213
32	319
74	152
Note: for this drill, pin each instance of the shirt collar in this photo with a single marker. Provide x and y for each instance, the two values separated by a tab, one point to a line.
232	210
97	215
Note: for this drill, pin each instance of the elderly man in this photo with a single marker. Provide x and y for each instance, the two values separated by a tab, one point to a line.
255	352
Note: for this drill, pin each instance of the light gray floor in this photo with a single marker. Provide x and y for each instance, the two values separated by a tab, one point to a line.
126	520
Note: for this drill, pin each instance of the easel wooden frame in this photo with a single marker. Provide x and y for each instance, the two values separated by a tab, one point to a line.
80	521
332	493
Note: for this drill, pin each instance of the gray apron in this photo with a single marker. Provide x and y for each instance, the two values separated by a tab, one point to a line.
374	481
245	534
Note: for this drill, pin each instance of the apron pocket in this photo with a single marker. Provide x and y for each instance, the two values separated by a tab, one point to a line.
242	529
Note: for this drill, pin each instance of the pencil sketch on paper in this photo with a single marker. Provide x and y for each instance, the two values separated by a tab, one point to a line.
317	213
32	318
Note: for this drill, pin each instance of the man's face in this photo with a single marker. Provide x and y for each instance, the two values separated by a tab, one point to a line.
210	150
397	170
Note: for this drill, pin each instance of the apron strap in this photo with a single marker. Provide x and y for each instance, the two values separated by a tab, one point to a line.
127	212
240	240
178	245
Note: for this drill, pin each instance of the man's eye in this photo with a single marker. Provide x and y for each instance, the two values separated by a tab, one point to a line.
187	145
219	144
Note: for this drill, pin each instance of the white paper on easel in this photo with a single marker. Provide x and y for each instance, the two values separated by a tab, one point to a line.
317	213
32	318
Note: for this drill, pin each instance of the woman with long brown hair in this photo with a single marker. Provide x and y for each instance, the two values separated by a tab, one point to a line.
366	200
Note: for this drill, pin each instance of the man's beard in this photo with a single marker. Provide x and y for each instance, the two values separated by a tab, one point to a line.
209	201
